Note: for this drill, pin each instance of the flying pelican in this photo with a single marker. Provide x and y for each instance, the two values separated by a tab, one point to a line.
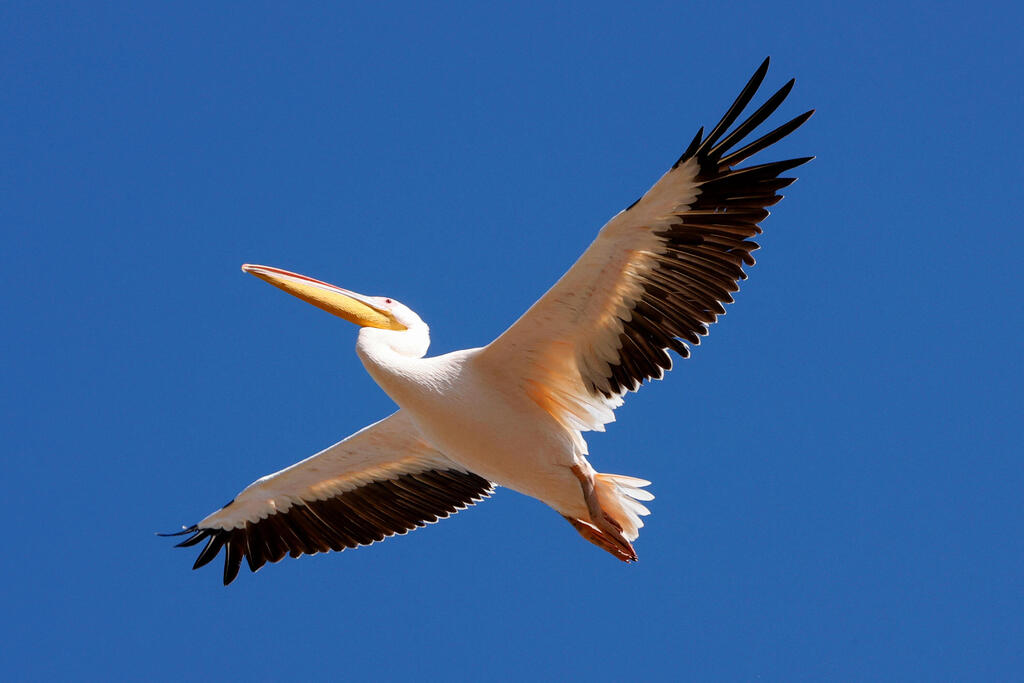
513	412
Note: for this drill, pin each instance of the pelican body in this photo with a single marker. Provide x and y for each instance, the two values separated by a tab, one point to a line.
513	413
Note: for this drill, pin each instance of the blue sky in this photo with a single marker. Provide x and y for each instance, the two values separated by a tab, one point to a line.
837	468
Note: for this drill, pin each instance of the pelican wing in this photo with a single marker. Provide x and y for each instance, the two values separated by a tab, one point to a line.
656	276
382	480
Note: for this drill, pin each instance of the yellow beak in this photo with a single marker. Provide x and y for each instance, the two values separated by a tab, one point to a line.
353	307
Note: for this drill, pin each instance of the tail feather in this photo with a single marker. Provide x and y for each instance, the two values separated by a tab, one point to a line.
619	498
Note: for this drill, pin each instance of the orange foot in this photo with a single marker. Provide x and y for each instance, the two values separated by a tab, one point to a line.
619	547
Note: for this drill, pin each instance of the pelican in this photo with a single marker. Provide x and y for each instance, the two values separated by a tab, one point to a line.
513	413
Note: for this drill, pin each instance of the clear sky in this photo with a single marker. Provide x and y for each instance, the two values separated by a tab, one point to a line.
837	469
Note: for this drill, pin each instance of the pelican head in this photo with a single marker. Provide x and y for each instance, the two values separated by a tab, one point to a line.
366	311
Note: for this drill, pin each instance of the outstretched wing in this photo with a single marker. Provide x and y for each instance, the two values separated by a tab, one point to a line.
382	480
656	276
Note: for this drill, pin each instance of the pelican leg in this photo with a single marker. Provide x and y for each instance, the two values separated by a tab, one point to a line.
601	530
602	540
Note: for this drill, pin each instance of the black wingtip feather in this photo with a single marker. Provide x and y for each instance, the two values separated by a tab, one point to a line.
213	547
737	106
691	149
753	121
232	557
765	140
193	540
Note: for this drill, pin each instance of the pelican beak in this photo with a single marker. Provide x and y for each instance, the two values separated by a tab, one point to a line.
353	307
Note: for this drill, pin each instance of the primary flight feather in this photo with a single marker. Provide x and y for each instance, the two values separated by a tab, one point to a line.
513	413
